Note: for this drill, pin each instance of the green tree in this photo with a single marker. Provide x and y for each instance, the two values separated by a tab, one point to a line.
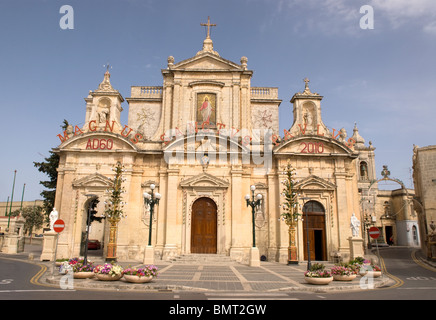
49	167
33	216
290	193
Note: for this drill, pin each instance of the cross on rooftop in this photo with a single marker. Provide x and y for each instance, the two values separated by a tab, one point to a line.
208	25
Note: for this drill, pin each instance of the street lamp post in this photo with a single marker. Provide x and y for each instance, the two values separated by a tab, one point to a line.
150	200
12	199
253	203
307	235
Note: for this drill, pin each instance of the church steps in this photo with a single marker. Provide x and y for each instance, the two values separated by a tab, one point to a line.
202	259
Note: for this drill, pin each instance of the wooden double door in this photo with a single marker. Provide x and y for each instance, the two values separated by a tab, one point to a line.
314	228
204	226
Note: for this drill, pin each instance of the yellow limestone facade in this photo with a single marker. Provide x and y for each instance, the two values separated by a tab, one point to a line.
203	138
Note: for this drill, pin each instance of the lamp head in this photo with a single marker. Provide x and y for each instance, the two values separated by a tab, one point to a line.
146	195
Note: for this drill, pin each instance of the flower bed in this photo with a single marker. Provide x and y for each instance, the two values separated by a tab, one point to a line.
343	273
108	271
140	275
318	275
146	271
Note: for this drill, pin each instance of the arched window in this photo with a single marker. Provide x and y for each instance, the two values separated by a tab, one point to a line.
363	170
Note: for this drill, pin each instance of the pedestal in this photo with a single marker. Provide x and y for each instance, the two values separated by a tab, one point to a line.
169	251
254	257
356	247
49	246
149	255
11	244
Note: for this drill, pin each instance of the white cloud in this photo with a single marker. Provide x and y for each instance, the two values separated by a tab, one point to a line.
343	16
402	13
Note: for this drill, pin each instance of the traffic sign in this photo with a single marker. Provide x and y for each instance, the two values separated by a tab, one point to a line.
374	232
59	225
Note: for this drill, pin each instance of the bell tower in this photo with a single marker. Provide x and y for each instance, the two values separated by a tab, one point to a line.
103	107
307	113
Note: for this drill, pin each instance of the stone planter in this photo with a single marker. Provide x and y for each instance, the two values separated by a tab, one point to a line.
318	281
340	277
83	275
137	279
108	277
374	274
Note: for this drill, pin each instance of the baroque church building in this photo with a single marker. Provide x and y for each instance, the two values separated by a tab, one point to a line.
203	139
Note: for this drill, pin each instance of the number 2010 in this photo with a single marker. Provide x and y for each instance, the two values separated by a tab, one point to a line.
312	147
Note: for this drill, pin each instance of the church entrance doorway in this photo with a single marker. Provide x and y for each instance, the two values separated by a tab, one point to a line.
314	228
204	226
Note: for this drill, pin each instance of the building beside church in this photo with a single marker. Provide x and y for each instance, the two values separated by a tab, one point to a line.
424	178
203	139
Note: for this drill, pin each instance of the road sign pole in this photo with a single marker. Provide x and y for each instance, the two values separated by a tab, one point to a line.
374	233
54	258
58	227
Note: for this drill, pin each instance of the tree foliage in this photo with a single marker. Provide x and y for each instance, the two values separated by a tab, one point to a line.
290	193
33	216
49	167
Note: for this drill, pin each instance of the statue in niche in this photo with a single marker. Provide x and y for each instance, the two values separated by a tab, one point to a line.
103	116
308	118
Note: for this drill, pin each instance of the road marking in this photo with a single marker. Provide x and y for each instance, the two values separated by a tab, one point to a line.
248	296
398	281
6	281
419	288
420	263
243	294
35	290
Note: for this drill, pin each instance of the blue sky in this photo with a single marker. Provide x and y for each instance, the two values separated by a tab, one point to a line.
383	78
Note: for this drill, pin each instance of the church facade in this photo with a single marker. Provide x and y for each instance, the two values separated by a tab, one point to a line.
203	139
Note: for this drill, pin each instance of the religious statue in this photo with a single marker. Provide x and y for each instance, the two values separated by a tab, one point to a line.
102	116
355	224
53	217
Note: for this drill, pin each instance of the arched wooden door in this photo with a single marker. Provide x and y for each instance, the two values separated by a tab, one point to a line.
204	226
314	227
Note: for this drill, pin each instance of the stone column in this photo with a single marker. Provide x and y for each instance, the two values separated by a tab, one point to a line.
173	229
236	249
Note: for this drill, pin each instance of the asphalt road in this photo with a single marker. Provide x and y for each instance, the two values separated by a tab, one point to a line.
412	281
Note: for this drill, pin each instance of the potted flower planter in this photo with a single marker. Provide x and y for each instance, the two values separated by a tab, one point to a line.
343	277
108	277
140	275
370	271
317	275
83	275
318	281
108	272
137	279
343	273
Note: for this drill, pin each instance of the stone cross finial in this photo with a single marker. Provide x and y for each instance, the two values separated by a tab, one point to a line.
307	82
208	25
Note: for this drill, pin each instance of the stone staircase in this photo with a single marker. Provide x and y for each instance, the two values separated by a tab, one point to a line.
203	259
